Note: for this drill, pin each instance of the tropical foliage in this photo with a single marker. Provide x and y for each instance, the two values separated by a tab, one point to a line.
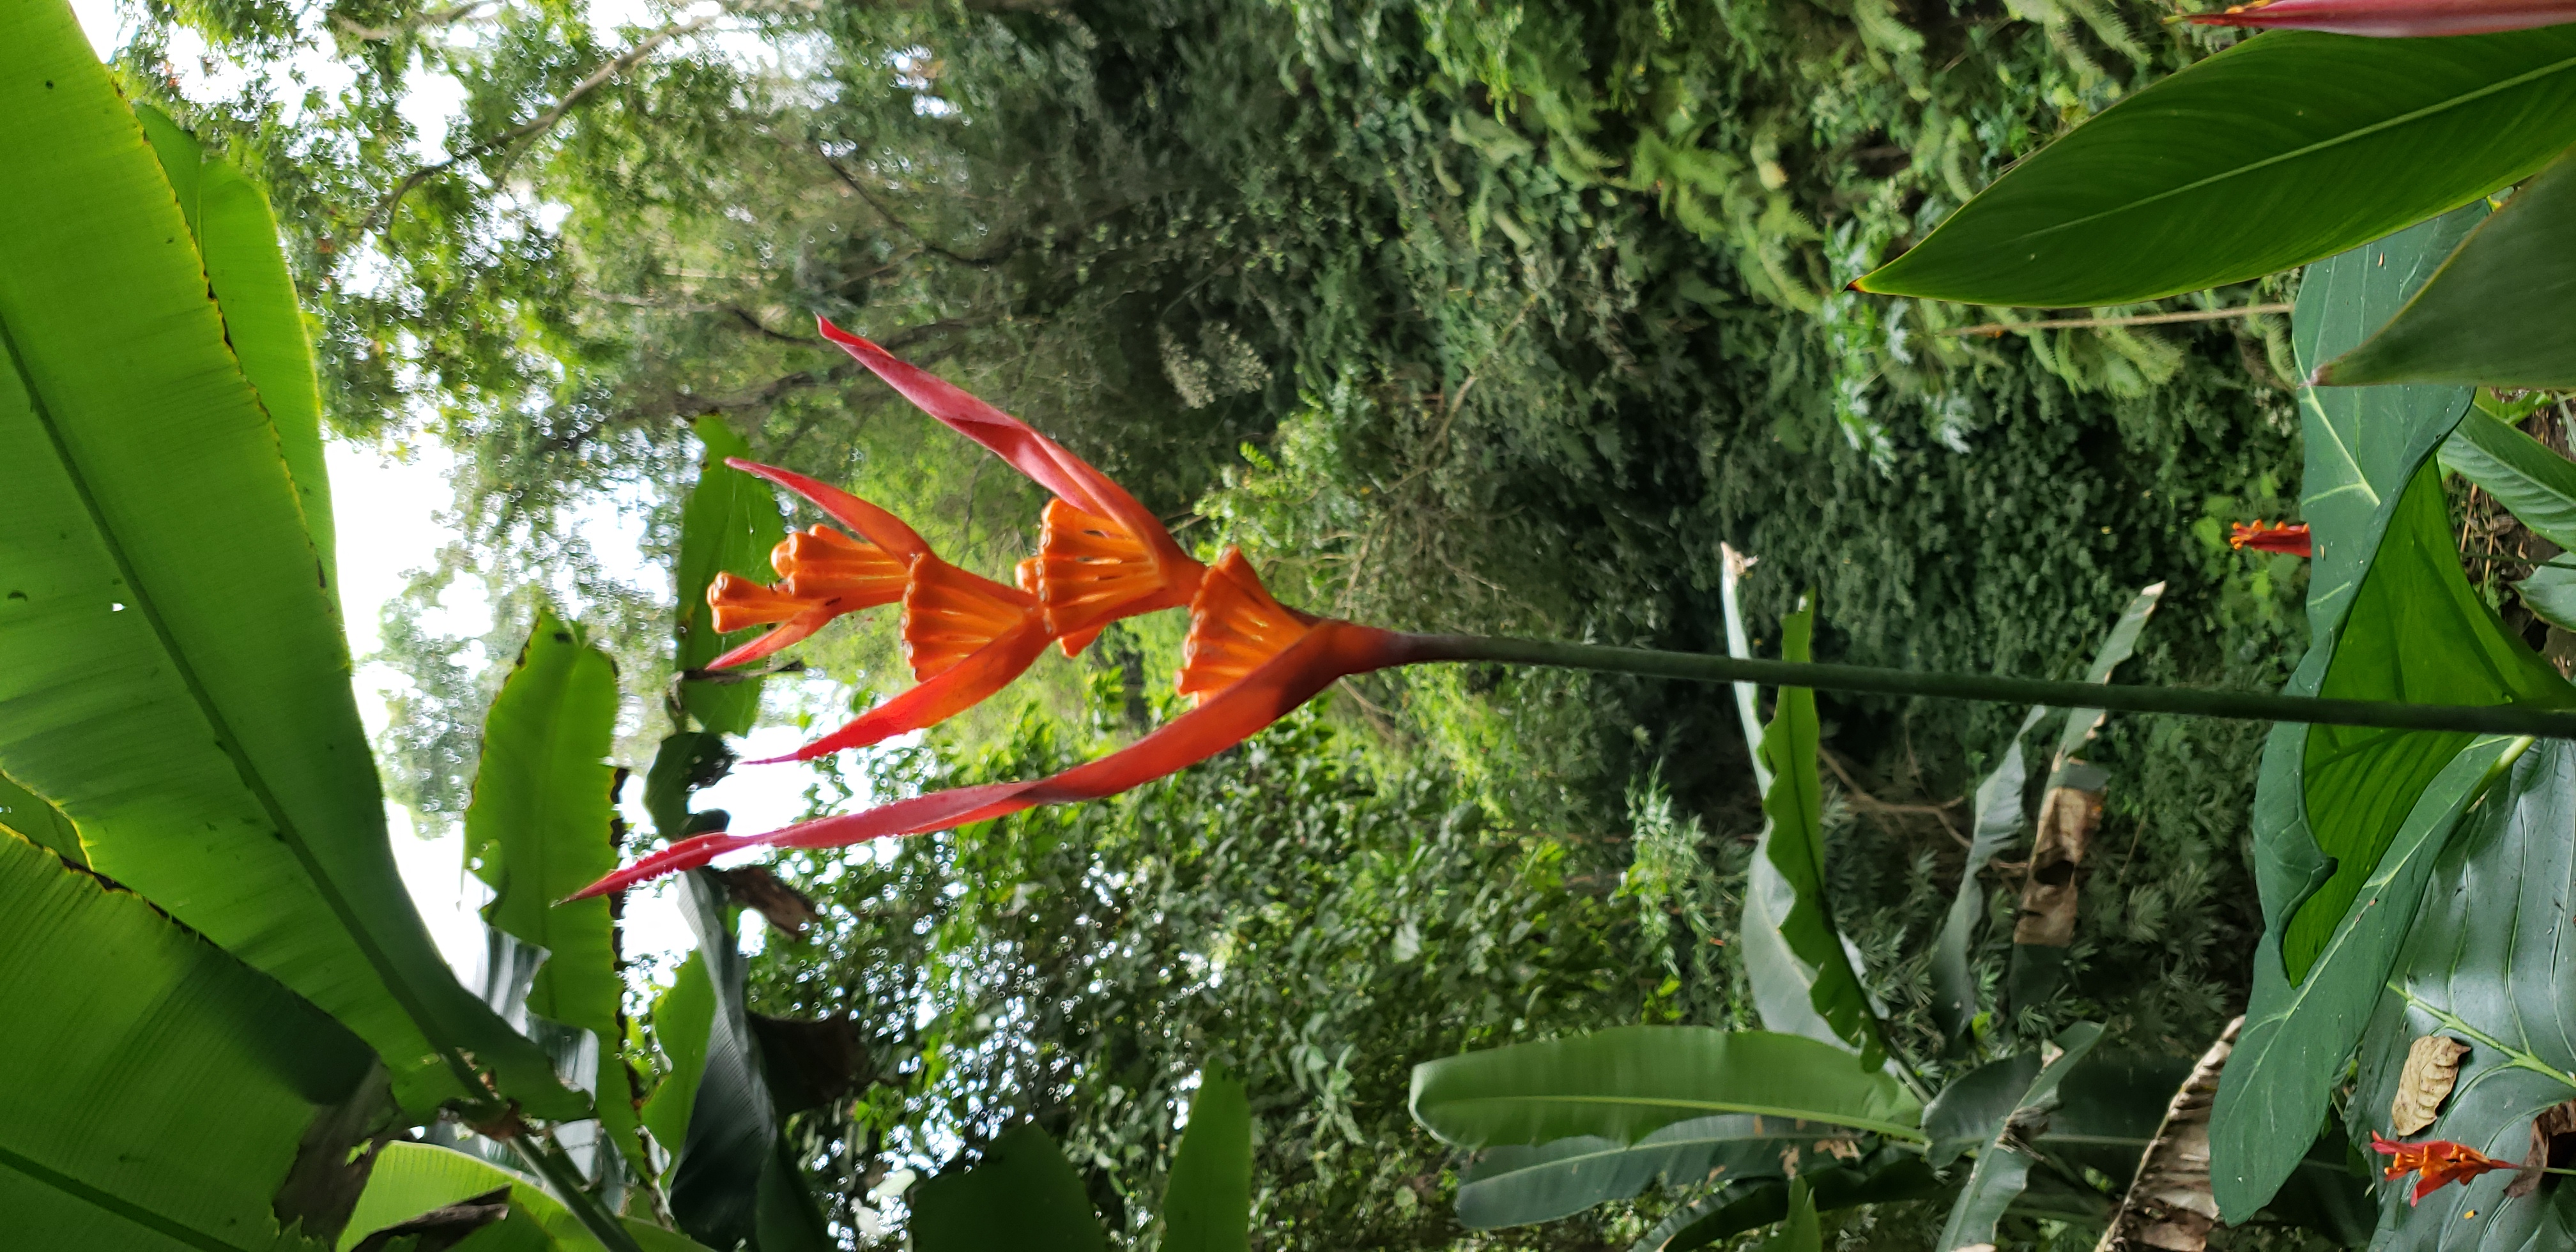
1448	359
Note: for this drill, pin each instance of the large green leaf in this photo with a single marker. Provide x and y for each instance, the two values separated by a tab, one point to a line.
1207	1204
413	1178
1625	1083
2418	632
1802	975
729	524
1799	1230
1515	1185
2285	148
2327	826
246	273
2342	818
541	827
160	1088
2537	485
1022	1197
172	673
2497	312
2003	1165
2487	965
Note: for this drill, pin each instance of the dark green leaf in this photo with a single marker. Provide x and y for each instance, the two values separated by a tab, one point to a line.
1973	1107
2497	312
1801	974
2285	148
172	671
729	524
1625	1083
2486	965
734	1180
1022	1197
2550	594
1885	1176
1999	821
2003	1165
1799	1231
1514	1185
540	829
2417	631
1207	1205
2537	485
164	1087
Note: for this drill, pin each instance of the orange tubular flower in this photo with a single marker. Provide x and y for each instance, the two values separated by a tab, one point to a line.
2396	19
1251	661
823	574
2272	537
2436	1163
1103	556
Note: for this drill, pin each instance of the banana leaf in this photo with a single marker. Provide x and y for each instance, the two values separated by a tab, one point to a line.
173	676
540	827
165	1091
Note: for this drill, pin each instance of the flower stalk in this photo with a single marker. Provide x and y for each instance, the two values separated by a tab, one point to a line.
2118	697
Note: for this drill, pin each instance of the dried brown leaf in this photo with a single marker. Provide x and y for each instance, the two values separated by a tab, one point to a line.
2432	1069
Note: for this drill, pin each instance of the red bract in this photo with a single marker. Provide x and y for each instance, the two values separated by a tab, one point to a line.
2437	1163
2396	19
1103	555
823	573
2272	537
1250	662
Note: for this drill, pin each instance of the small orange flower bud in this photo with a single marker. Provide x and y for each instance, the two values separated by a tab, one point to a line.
2272	537
825	567
740	603
1235	626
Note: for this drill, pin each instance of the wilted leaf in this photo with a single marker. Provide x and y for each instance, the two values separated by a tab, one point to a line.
2432	1068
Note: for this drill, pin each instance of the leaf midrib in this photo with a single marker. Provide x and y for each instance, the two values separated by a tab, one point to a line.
1894	1130
142	601
2351	136
108	1201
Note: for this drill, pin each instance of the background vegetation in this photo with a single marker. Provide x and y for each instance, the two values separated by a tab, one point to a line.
1455	314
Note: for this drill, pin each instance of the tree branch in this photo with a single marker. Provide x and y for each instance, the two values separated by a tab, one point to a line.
382	214
983	260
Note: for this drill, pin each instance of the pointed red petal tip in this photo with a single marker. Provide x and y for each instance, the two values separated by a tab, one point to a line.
1046	462
2262	536
873	524
2395	19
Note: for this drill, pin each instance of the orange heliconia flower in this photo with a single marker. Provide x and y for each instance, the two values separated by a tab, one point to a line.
2273	537
1250	661
950	614
2436	1163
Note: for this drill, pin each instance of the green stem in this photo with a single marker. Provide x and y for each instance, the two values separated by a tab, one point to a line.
2503	719
2515	1058
565	1181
